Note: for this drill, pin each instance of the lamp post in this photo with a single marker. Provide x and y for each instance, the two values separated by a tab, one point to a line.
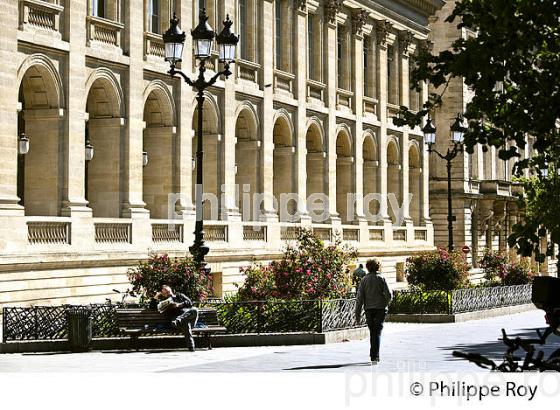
23	149
203	37
457	134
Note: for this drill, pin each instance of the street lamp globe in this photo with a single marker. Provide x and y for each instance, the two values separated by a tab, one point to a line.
227	42
174	40
23	144
457	130
203	36
429	132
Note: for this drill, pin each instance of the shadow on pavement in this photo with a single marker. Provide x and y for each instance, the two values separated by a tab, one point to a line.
496	349
329	366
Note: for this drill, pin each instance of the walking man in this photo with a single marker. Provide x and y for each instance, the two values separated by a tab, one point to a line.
358	275
179	309
374	296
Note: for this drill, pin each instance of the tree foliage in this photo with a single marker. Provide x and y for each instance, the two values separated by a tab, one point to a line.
511	63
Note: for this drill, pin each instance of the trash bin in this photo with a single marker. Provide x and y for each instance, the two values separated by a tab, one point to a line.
79	328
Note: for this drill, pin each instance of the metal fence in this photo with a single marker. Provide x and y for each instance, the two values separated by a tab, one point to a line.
277	316
51	322
470	300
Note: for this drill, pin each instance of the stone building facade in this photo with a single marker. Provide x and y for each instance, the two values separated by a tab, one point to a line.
484	196
308	110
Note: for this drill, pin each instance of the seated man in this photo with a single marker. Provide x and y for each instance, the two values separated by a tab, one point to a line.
179	309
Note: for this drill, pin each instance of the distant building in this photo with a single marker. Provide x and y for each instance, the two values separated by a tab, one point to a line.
484	200
307	111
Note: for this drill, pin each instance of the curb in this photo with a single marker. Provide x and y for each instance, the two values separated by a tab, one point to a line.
460	317
177	342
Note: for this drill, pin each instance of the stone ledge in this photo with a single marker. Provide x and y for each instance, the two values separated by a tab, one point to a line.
460	317
176	342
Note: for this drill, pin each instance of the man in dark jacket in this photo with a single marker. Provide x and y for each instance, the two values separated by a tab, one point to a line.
374	296
179	309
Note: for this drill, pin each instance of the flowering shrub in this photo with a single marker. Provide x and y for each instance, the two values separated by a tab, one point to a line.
518	273
181	274
493	265
498	270
438	270
309	269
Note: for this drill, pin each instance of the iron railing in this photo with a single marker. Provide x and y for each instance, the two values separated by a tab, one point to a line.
470	300
271	316
51	322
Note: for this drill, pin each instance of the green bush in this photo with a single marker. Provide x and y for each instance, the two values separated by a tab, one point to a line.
417	301
274	315
438	270
181	274
310	269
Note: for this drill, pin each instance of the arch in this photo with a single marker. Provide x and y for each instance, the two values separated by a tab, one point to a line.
159	143
394	175
414	160
213	148
283	132
247	114
212	115
39	171
344	141
315	161
39	69
415	182
370	180
248	177
104	96
283	161
393	157
157	96
344	173
314	139
369	147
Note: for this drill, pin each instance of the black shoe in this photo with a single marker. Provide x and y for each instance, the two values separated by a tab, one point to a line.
192	349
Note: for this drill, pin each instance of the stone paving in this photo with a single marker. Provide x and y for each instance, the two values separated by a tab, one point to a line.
406	347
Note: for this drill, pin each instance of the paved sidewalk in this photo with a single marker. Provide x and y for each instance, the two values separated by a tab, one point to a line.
406	347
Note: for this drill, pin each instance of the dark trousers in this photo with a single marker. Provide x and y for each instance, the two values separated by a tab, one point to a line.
186	320
374	320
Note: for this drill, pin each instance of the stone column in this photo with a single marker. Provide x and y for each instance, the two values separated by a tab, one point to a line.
13	231
402	51
329	52
381	33
133	204
267	125
300	64
358	20
185	103
73	197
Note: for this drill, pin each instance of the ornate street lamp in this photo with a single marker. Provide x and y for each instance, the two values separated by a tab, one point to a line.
23	149
89	150
203	36
457	136
145	158
88	156
23	144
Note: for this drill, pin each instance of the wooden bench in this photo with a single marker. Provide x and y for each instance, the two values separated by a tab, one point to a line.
138	322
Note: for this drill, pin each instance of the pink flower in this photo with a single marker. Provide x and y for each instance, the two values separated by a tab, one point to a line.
308	273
